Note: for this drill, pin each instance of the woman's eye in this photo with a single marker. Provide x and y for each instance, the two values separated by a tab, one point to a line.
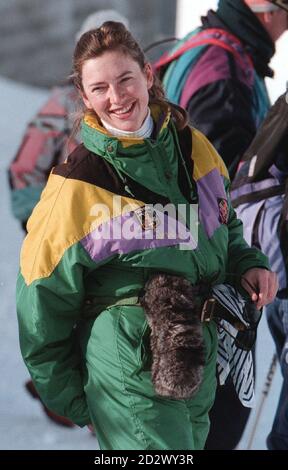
126	79
98	90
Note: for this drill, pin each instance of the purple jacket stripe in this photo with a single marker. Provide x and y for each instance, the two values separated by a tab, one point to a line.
250	188
209	186
124	234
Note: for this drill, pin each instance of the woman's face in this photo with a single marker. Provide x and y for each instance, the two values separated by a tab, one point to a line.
116	88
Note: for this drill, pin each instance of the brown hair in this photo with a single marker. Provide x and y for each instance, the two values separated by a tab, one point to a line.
113	36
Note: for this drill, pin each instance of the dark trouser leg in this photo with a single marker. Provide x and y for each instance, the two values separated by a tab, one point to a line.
277	317
228	419
278	437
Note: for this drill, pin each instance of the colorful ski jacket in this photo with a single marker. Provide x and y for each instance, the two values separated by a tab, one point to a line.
220	78
91	247
45	144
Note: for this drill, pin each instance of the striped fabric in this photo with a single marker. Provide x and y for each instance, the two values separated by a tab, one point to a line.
231	359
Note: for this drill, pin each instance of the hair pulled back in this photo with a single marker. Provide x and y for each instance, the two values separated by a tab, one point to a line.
113	36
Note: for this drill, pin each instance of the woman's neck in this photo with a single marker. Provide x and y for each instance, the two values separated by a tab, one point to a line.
143	132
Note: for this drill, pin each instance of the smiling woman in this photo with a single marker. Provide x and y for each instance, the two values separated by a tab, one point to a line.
115	87
110	293
115	80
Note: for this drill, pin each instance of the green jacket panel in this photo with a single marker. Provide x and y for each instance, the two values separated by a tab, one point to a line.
71	271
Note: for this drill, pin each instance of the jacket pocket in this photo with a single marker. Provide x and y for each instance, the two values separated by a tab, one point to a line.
144	355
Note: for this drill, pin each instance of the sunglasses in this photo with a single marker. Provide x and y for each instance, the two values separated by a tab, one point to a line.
280	3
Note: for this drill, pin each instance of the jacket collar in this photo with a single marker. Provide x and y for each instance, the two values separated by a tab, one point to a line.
132	158
97	139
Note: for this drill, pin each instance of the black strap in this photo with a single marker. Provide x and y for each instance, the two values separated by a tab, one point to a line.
246	335
259	195
255	231
213	310
186	145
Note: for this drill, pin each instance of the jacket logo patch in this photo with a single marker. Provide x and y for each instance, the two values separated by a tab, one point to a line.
147	218
223	211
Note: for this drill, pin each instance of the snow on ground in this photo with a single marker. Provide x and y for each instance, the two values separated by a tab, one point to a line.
22	422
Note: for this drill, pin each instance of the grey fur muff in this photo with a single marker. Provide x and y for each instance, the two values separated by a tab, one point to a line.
177	343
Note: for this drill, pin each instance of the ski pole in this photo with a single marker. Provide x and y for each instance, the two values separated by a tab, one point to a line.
265	391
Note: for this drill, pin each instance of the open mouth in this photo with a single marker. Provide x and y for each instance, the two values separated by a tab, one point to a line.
124	111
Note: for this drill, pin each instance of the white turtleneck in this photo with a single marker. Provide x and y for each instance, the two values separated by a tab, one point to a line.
143	132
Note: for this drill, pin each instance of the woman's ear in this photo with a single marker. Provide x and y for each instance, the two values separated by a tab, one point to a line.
149	75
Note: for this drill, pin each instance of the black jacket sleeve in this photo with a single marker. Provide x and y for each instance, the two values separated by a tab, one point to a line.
222	110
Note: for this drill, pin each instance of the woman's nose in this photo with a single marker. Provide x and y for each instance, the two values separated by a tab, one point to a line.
115	94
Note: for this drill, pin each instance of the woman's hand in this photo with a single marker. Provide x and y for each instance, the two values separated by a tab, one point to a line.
261	285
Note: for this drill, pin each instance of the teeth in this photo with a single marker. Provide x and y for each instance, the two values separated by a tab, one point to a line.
122	110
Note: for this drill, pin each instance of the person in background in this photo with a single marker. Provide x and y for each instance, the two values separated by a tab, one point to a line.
219	79
263	209
217	73
93	246
47	142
